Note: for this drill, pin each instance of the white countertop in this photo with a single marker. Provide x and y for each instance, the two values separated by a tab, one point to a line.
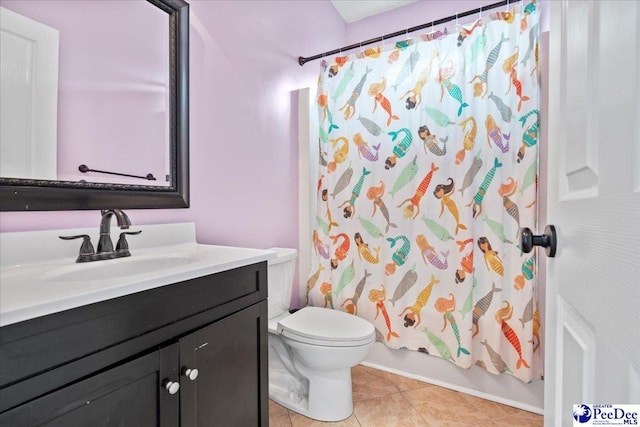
39	275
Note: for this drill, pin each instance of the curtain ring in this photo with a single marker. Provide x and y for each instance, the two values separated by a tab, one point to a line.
480	12
456	21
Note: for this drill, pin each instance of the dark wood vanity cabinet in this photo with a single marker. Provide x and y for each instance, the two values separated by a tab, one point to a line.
224	353
189	354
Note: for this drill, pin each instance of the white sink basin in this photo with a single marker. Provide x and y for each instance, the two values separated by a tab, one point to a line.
122	267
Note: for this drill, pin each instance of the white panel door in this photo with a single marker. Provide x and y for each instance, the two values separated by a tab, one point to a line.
593	283
29	101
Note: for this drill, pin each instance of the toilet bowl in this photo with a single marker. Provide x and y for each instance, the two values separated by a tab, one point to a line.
311	351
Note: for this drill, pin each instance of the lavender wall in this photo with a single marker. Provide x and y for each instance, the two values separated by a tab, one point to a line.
244	78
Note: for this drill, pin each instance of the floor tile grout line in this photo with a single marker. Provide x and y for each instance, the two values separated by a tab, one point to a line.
427	421
356	417
413	407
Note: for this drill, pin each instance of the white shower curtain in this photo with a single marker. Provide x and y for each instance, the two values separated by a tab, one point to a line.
428	168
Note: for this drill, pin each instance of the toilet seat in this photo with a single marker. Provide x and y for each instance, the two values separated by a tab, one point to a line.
326	327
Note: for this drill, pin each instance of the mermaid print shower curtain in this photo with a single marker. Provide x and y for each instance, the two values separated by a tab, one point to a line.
428	169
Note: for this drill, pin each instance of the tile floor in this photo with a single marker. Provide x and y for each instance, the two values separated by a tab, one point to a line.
381	399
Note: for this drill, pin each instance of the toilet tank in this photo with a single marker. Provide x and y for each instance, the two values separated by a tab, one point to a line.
280	273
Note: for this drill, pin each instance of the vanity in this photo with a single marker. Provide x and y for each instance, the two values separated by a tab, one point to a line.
174	335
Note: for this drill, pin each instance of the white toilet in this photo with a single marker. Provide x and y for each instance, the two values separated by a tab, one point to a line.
311	351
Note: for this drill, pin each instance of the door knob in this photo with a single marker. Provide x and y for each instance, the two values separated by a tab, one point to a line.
548	240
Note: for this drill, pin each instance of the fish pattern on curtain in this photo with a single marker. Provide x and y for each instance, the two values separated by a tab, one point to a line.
428	168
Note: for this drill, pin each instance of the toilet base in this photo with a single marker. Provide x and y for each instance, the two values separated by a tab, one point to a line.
320	395
329	397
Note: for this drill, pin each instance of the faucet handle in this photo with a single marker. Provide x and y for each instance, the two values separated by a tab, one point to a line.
86	249
122	247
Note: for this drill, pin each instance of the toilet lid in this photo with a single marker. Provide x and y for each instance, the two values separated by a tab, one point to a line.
322	326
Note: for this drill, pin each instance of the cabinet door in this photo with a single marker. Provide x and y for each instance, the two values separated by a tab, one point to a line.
231	388
131	394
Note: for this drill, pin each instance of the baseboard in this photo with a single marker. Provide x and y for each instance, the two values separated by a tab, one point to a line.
503	389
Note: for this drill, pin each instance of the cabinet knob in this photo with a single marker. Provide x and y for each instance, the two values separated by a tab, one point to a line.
171	386
192	374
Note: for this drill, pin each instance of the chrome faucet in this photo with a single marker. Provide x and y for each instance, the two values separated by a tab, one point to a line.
105	245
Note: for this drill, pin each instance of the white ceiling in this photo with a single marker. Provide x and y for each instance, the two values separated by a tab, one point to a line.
355	10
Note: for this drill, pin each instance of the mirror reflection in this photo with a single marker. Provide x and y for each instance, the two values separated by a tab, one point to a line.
85	82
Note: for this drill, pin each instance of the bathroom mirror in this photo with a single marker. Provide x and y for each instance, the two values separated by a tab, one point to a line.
155	124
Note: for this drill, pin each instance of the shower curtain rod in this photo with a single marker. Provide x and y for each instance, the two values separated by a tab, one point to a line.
302	60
